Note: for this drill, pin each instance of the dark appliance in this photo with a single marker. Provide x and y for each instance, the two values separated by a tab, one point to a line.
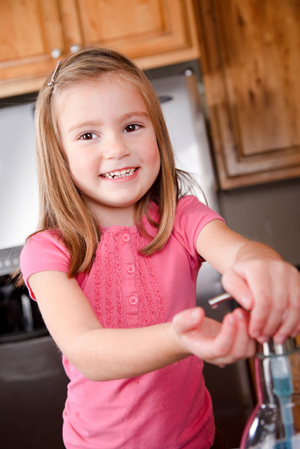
33	384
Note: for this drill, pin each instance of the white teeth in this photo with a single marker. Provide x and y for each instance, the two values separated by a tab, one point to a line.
119	173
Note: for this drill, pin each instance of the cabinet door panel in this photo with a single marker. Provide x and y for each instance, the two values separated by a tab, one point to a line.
262	43
18	20
136	28
29	31
251	65
115	20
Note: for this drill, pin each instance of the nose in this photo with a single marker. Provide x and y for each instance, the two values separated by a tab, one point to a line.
115	147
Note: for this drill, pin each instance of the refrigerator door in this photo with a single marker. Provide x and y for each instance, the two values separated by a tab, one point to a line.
183	112
18	178
182	109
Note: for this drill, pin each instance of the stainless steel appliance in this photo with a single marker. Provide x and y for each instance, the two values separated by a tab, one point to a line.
18	178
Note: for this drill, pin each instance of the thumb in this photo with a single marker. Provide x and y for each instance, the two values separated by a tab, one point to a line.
236	284
188	320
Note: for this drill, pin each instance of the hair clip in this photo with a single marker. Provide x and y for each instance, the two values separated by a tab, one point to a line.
55	73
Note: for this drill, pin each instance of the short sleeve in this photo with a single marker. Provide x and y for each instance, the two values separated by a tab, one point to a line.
43	252
191	216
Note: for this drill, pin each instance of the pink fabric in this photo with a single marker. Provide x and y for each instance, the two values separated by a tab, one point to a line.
170	407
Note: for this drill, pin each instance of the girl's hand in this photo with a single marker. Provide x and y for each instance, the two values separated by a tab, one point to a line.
257	277
270	288
216	343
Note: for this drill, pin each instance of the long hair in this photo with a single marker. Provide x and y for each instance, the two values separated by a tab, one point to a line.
62	207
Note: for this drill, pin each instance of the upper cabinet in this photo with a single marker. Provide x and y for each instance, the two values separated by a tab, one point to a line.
250	62
35	33
31	37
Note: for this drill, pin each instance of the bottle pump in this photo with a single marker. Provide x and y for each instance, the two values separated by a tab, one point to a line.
275	421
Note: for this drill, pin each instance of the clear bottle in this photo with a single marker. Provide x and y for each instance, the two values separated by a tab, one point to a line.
275	422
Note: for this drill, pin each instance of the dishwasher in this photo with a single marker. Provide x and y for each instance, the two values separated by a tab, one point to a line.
33	383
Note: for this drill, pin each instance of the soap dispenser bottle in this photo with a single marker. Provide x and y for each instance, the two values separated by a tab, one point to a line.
275	421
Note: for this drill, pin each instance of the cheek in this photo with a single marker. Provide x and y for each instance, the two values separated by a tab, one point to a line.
153	157
76	167
157	162
81	163
80	172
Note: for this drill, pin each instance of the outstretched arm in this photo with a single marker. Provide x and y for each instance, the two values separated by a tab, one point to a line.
105	354
258	278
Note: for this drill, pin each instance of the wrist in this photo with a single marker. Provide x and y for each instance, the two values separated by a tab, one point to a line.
174	350
180	347
255	250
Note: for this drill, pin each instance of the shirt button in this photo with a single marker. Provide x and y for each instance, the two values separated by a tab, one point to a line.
125	238
130	268
133	300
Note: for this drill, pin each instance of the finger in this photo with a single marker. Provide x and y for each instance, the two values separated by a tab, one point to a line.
278	310
237	286
291	320
296	335
188	320
285	311
243	345
251	344
295	300
222	344
289	327
260	283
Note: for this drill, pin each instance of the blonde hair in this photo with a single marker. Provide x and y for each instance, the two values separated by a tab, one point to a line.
61	205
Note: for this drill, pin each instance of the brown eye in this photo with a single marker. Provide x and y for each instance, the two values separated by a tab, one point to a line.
87	136
132	127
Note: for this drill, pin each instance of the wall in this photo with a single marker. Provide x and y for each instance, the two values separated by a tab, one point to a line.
269	213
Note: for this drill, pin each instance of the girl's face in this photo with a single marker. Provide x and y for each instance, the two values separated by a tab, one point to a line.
108	139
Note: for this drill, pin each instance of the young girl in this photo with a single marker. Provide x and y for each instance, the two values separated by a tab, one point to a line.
114	265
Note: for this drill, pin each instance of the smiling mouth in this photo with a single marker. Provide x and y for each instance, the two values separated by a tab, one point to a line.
119	173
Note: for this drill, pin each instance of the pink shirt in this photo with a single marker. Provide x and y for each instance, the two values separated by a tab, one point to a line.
170	407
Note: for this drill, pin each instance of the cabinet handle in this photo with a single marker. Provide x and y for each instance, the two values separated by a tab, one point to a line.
55	53
74	48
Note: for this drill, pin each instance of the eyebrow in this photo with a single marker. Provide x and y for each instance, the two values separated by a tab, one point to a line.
135	114
90	123
83	124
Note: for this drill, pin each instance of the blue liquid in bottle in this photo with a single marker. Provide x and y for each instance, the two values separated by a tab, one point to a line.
283	388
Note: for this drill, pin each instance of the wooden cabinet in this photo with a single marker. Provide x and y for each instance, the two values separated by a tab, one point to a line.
34	33
29	31
250	62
